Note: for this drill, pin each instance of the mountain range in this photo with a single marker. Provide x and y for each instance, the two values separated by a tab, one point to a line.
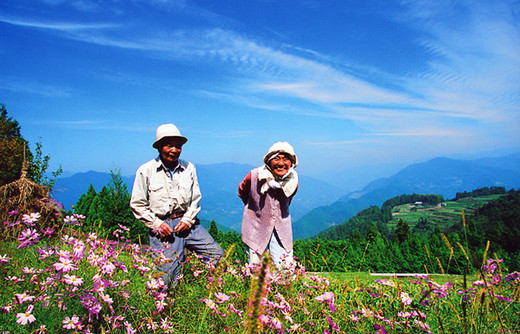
318	204
442	176
219	186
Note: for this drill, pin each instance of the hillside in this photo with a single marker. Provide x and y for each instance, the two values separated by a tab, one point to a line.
438	176
422	219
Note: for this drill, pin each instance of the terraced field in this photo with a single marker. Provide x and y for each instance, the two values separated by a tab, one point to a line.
443	215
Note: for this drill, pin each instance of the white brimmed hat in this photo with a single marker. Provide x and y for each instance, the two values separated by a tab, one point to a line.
167	130
281	147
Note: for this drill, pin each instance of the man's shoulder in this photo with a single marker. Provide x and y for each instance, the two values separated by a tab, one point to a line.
185	164
147	165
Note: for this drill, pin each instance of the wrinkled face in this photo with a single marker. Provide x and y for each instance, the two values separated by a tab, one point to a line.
281	164
170	150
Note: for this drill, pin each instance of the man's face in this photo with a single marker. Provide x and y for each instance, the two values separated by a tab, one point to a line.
281	164
170	150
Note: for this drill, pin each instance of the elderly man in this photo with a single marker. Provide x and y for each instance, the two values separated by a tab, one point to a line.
166	197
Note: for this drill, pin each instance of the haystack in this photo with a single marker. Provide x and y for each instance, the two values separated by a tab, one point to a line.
25	196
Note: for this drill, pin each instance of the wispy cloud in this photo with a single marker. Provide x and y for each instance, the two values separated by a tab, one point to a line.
58	26
32	87
473	72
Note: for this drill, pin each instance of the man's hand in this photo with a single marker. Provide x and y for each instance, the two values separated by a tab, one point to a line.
165	230
181	227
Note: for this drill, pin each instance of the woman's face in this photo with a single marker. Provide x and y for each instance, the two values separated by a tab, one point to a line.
281	164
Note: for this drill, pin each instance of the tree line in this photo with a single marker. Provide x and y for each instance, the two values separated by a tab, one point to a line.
486	191
363	243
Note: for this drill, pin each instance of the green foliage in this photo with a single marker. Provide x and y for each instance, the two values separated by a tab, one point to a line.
108	210
486	191
424	245
14	149
402	232
404	199
499	222
38	168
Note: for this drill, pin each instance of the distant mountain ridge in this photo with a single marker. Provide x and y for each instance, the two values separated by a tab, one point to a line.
443	176
219	187
319	205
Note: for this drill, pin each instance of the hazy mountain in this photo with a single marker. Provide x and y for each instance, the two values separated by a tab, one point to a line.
442	176
219	187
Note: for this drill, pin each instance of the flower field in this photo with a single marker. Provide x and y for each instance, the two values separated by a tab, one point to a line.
55	280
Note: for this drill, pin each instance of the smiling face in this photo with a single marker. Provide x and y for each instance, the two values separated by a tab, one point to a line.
281	164
170	149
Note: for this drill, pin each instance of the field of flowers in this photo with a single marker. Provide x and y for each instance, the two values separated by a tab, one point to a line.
55	280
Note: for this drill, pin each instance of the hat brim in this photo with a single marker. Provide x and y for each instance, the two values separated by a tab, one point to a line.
157	142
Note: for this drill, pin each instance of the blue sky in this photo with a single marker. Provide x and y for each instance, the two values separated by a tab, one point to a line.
347	83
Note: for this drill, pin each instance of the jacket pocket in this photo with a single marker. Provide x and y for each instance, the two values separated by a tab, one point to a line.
158	196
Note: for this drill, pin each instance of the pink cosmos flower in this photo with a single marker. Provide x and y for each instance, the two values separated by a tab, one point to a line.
28	238
405	298
264	319
27	317
210	303
72	280
48	231
166	324
221	297
234	310
108	268
385	281
78	250
333	324
106	298
328	298
4	258
129	329
24	297
71	220
31	219
72	323
503	298
276	323
65	265
380	329
14	279
155	284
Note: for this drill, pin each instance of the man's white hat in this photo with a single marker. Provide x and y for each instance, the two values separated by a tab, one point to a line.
281	147
165	131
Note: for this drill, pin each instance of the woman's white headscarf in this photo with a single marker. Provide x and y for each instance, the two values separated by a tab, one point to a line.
288	182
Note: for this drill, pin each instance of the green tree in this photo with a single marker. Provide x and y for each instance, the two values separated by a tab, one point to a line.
38	168
85	200
13	148
213	230
110	211
402	231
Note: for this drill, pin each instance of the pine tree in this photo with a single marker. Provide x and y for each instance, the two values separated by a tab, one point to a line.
402	231
85	200
213	231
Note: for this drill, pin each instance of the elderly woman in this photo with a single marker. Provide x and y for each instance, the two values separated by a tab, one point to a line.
267	192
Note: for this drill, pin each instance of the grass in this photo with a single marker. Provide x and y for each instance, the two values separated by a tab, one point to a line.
121	293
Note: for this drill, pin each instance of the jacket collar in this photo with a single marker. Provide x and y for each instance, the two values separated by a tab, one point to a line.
181	165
